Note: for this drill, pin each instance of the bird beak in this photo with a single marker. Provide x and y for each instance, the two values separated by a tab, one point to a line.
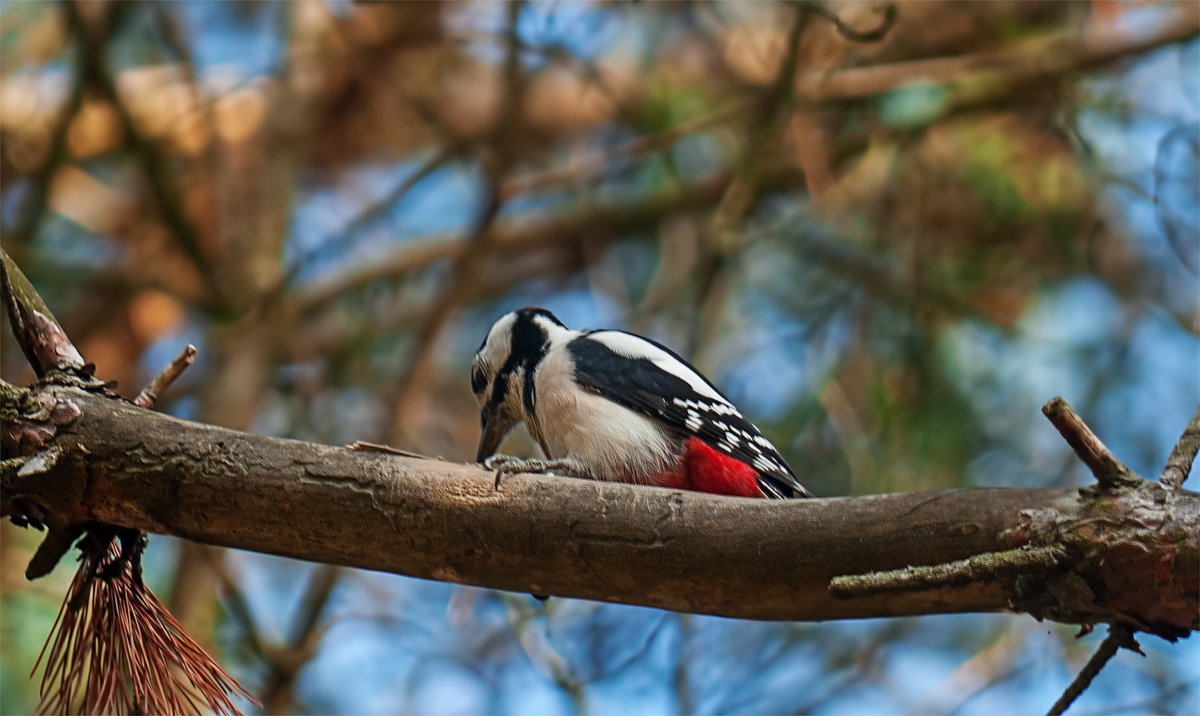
494	427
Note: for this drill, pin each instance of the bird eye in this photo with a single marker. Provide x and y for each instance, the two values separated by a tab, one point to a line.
478	380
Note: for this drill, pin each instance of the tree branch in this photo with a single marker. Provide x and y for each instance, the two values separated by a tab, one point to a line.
973	569
1109	471
873	35
34	208
518	237
1179	463
149	395
982	76
691	552
1118	637
44	343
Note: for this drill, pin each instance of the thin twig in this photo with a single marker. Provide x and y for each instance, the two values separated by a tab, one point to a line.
149	395
1119	636
1109	471
402	260
1179	463
239	609
364	446
979	568
989	666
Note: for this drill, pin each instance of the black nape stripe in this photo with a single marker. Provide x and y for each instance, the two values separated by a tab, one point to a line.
527	347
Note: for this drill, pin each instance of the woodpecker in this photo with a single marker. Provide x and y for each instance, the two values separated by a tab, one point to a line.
611	405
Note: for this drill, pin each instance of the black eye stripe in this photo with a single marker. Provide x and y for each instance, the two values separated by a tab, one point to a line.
478	380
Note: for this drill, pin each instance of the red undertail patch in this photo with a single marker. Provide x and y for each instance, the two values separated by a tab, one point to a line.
706	469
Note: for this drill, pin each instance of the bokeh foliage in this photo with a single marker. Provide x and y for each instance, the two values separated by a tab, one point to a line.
889	253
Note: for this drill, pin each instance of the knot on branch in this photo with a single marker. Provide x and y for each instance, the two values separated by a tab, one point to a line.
29	420
1084	563
1114	541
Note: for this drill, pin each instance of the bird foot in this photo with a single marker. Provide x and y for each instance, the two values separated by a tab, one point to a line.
510	465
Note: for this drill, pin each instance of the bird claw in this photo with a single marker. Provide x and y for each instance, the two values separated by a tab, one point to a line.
510	465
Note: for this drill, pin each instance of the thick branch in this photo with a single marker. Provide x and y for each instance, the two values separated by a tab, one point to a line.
758	559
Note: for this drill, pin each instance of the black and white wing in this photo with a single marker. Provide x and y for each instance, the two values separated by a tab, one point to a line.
650	378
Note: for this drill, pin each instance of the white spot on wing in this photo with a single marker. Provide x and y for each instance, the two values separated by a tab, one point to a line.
765	464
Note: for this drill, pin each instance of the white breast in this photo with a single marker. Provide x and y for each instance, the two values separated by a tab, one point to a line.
614	442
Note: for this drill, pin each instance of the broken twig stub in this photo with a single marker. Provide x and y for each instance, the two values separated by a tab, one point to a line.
1109	471
149	395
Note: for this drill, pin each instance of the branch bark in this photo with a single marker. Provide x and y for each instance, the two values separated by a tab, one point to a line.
42	340
1179	462
757	559
1108	470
